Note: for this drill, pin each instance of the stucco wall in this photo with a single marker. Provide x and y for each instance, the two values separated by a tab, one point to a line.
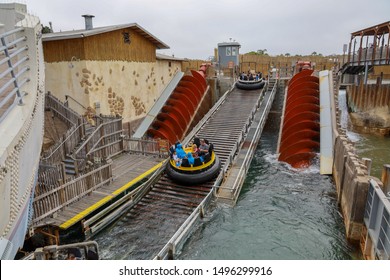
121	87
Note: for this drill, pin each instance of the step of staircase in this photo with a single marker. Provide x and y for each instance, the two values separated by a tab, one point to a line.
70	168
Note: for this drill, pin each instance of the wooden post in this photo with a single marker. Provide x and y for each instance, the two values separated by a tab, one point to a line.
121	143
81	132
201	212
171	251
342	177
109	161
76	167
64	148
367	162
104	150
63	172
386	179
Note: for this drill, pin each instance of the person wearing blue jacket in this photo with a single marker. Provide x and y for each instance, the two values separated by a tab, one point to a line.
190	158
180	152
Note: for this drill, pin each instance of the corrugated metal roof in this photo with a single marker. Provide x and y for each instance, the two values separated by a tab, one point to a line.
98	30
168	57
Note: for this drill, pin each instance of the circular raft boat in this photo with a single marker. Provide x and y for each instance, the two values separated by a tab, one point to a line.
250	85
197	173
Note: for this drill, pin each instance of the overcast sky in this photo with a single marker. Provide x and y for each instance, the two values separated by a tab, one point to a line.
193	28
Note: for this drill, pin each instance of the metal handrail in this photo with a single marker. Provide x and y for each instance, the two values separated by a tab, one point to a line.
14	79
9	53
68	96
100	139
376	219
8	33
11	94
184	229
186	226
94	224
206	117
251	149
52	251
77	102
6	72
92	135
66	139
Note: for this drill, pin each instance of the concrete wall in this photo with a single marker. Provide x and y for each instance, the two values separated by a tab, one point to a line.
10	14
128	89
20	146
350	176
351	180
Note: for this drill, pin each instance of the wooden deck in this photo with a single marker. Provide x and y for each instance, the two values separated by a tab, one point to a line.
128	169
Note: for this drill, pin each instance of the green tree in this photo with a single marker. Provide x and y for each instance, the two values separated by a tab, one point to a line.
46	29
262	52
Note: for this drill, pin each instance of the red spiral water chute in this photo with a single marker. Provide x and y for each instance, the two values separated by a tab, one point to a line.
180	108
300	137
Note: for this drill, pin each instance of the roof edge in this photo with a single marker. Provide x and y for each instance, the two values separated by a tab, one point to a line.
75	34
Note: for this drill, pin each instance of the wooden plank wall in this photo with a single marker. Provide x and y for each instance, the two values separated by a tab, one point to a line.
111	46
262	63
362	98
102	47
63	50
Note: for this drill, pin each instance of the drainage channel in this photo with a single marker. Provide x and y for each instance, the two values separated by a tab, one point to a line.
156	225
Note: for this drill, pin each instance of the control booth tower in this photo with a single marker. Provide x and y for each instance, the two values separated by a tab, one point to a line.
228	54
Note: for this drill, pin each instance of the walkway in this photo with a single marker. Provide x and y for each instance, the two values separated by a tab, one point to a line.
128	170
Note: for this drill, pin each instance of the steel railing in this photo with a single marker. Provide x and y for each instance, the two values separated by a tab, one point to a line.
12	70
170	248
377	220
252	147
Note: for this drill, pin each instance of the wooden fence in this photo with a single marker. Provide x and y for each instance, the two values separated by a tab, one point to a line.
362	98
106	141
48	201
49	177
66	144
148	146
61	111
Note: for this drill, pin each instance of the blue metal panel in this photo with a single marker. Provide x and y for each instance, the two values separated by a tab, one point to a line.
228	52
377	220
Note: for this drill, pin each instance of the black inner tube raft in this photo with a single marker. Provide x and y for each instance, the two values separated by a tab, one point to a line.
198	173
250	85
